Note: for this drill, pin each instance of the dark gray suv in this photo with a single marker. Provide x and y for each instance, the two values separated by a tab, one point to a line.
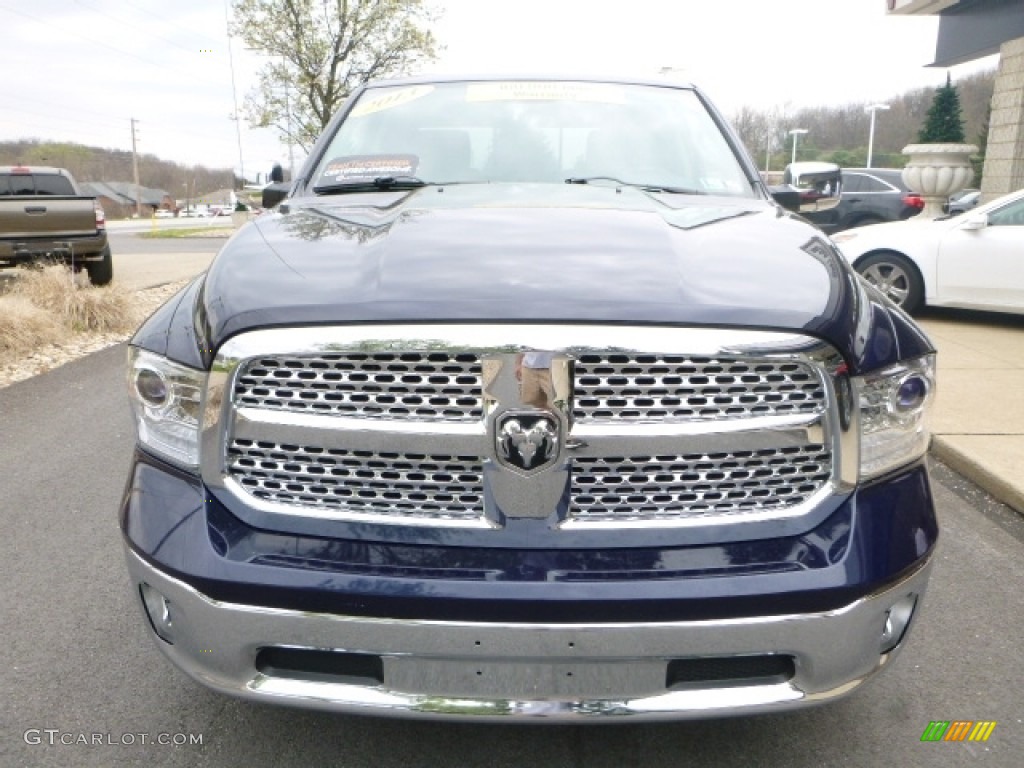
869	196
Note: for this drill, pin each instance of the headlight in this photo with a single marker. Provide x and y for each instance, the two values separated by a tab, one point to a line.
894	407
166	398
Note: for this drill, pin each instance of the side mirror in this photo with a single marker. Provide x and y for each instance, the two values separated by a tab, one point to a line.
275	193
276	174
786	196
818	187
975	222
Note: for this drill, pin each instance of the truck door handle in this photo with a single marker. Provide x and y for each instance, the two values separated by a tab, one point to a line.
35	209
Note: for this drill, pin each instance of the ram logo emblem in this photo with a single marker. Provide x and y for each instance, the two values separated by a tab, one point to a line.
527	443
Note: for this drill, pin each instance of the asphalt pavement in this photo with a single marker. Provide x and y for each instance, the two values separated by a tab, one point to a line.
77	664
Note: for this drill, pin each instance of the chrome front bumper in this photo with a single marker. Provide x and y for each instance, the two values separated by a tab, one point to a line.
517	672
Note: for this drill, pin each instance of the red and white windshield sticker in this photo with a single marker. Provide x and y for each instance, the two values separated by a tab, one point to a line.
367	168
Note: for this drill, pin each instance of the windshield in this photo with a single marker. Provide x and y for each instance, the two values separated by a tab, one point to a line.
533	131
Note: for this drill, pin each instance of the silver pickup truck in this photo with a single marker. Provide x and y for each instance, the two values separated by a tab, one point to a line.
44	216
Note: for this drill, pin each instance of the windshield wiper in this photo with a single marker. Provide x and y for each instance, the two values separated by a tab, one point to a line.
635	185
381	184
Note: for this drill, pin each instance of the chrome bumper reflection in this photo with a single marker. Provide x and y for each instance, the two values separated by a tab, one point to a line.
525	672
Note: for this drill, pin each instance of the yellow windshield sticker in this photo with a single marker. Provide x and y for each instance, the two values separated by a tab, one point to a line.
391	98
539	90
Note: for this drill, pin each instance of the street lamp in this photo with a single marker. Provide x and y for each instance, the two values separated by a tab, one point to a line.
796	133
871	109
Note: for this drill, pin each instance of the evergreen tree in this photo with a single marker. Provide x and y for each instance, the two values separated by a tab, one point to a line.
944	123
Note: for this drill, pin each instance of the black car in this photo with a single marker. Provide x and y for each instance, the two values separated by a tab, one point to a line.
869	196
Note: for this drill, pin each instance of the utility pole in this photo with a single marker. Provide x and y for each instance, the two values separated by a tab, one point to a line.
291	144
135	171
234	97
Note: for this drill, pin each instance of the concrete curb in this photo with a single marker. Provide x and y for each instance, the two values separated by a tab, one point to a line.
974	471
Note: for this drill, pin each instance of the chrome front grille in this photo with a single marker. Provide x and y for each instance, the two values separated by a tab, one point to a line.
617	387
360	482
697	484
377	424
418	386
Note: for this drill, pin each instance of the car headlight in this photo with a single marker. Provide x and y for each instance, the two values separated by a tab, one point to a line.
894	408
166	399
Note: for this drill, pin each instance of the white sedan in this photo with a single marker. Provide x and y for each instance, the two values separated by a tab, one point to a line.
974	261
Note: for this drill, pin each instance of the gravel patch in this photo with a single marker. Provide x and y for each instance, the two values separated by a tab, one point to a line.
79	344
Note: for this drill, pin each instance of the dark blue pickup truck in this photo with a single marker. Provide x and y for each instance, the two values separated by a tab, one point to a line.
531	401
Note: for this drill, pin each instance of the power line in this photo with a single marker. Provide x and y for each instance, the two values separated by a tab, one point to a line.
50	23
156	128
173	23
148	32
77	108
20	126
61	118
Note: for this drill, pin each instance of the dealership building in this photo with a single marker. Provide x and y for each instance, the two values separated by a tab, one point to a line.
969	30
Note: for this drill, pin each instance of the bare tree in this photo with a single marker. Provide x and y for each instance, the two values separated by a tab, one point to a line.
321	50
763	131
839	133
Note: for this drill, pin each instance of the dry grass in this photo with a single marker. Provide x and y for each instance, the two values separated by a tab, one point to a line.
46	305
25	327
75	303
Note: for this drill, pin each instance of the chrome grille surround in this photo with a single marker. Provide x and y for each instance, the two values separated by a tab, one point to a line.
624	470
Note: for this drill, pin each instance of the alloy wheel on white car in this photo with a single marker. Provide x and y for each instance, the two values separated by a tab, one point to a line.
896	277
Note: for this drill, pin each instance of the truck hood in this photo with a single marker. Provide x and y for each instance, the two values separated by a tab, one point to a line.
531	253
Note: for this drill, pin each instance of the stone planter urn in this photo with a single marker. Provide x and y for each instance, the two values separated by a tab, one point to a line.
238	218
936	171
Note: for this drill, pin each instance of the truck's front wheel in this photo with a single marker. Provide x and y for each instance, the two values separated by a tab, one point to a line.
101	272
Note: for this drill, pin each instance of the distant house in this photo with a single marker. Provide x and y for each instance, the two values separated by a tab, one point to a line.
219	198
118	198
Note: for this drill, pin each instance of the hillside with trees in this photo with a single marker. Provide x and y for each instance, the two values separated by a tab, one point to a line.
840	134
96	164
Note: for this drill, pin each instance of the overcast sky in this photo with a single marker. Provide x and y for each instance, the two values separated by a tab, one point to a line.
78	70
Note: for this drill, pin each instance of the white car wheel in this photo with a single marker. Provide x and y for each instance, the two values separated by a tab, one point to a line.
896	277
